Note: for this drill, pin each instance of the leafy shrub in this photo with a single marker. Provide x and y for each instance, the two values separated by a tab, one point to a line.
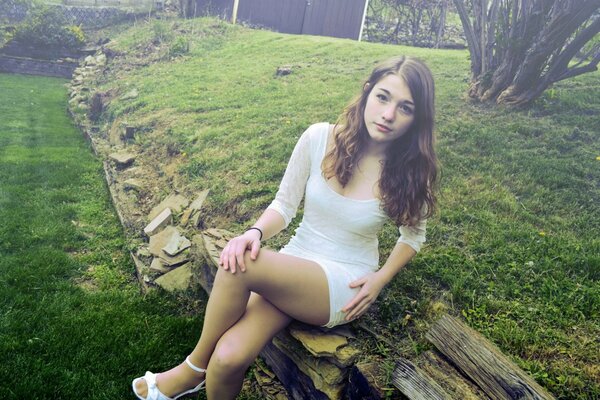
49	29
161	32
13	11
77	33
179	47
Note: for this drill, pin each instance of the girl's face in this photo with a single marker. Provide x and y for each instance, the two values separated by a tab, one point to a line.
390	109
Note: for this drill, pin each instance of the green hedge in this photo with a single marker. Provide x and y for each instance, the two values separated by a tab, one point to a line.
47	28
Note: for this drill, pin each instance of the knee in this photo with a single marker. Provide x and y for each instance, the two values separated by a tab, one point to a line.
225	277
251	265
249	262
229	358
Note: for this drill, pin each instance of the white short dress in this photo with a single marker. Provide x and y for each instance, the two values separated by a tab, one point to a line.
336	232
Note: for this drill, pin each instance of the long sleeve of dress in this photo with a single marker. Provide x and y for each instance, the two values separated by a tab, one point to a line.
293	184
414	236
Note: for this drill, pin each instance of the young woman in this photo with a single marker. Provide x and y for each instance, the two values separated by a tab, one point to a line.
376	163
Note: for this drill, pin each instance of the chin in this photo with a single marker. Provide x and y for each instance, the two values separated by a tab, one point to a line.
381	140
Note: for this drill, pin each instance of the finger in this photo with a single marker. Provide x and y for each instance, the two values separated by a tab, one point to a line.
223	260
349	306
362	302
221	255
357	299
239	257
226	253
255	249
352	312
351	315
358	311
358	283
232	261
361	310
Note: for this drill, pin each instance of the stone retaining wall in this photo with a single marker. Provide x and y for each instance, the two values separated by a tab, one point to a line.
123	4
29	66
96	17
87	16
12	12
24	51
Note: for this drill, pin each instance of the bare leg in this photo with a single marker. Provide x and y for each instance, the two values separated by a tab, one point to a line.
240	346
295	286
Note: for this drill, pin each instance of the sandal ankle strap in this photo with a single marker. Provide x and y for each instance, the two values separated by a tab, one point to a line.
192	366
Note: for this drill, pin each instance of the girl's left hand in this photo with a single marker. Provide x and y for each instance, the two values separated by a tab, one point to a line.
370	287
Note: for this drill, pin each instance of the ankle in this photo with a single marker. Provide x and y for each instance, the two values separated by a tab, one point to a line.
194	367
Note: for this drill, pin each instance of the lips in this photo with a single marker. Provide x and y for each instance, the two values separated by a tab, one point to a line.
382	128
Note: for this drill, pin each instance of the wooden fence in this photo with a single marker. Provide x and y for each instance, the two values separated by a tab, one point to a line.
338	18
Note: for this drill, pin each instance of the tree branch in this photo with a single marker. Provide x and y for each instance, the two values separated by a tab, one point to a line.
592	66
560	67
481	23
583	57
470	36
491	34
562	25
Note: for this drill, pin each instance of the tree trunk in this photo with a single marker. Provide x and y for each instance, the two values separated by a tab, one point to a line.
470	36
439	34
519	48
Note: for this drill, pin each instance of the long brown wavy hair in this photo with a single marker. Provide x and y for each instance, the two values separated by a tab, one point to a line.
409	174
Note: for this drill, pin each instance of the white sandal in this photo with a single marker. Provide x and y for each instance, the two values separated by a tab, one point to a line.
154	392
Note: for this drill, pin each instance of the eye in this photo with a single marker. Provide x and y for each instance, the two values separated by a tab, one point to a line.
381	97
406	109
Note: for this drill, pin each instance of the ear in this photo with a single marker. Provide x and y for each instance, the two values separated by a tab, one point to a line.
366	86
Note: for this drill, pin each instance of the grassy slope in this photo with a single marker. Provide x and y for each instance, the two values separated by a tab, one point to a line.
515	247
72	322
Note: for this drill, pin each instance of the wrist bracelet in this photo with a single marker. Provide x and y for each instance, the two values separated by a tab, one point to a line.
258	229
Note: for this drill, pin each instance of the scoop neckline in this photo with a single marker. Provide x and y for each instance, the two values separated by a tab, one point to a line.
329	131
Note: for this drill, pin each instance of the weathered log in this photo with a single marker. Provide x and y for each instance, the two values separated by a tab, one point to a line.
269	385
448	377
416	384
364	382
298	384
480	360
314	378
329	344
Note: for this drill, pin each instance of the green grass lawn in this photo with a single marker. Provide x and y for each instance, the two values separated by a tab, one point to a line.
73	324
515	247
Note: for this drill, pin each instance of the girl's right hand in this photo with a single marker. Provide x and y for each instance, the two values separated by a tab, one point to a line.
233	253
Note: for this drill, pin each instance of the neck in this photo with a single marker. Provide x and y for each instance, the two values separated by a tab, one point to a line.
375	149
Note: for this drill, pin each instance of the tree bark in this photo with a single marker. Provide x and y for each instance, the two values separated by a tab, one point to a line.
415	384
470	36
441	24
483	362
519	48
564	22
559	69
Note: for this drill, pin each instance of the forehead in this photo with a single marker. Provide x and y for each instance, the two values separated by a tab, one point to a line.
395	86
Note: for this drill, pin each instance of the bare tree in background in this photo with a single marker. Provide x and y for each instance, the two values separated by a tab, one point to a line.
520	47
413	22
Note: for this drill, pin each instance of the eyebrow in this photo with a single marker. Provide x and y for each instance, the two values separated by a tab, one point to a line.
390	94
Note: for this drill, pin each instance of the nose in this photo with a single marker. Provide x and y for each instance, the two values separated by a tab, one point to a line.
389	113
